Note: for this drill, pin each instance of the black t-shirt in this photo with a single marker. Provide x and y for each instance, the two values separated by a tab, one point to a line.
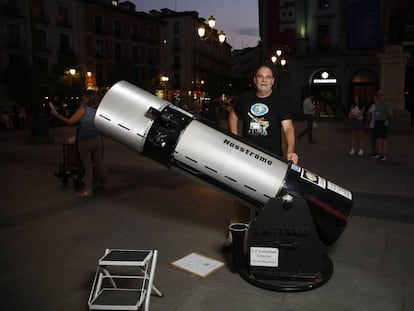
262	119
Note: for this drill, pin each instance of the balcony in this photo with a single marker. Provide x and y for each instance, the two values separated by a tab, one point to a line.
63	21
42	47
98	30
118	34
135	37
41	18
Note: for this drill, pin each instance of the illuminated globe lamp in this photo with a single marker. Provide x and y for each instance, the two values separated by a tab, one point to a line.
277	58
209	34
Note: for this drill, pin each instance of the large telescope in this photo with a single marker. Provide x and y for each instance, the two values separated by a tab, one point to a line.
296	209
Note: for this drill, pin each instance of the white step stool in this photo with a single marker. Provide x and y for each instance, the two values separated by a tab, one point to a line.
124	279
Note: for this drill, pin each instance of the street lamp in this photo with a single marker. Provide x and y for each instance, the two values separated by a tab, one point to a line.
210	33
164	80
90	83
278	61
72	72
277	58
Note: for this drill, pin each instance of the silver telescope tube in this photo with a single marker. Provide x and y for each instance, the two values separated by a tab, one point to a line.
124	115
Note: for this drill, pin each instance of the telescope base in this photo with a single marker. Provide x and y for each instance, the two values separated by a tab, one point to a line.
285	282
280	249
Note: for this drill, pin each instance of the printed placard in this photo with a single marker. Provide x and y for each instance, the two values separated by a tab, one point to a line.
313	178
338	189
264	256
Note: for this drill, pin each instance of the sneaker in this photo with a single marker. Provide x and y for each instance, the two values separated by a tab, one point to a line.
352	152
375	156
383	157
360	152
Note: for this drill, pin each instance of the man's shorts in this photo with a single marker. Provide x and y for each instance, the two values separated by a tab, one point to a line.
380	129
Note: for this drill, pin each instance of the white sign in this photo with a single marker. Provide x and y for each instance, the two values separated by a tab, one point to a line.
198	264
264	256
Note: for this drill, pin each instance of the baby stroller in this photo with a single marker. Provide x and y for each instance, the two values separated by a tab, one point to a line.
71	166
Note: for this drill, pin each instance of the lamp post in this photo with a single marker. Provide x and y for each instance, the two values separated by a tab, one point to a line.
278	61
208	34
164	80
90	85
72	72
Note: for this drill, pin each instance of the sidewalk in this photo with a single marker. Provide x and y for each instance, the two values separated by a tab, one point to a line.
51	240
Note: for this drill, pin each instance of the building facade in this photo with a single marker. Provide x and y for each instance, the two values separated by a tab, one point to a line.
71	44
198	69
340	49
102	41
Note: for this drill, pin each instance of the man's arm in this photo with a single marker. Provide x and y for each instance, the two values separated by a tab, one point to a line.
233	122
289	131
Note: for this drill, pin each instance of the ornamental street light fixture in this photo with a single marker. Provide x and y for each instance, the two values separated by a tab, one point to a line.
210	33
72	73
164	80
278	59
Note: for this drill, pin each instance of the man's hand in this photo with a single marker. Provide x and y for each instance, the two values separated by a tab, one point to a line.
293	157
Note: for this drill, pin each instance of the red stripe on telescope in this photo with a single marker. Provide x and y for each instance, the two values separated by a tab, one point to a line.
328	208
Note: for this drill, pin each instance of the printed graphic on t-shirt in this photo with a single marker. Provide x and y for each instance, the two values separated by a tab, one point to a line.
258	125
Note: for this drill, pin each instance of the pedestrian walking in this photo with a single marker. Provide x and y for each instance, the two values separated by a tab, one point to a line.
309	112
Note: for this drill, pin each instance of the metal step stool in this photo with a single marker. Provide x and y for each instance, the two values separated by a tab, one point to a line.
124	280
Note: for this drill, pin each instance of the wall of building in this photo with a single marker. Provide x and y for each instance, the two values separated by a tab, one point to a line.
343	38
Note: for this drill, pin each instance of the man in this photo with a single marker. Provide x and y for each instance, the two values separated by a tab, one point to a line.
382	114
308	111
263	118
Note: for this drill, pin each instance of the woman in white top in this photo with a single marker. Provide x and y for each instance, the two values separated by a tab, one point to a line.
356	114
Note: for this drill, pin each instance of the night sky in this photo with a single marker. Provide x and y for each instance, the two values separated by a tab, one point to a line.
238	19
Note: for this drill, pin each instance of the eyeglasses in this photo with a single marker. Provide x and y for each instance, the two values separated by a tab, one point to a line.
267	77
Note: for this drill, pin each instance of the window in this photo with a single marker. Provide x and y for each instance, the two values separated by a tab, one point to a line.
98	20
176	65
64	42
62	17
117	28
118	51
176	28
134	32
150	57
135	56
42	64
150	36
323	38
324	4
41	40
39	12
99	71
176	44
13	35
99	48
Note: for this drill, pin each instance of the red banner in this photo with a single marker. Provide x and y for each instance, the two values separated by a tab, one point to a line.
283	24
